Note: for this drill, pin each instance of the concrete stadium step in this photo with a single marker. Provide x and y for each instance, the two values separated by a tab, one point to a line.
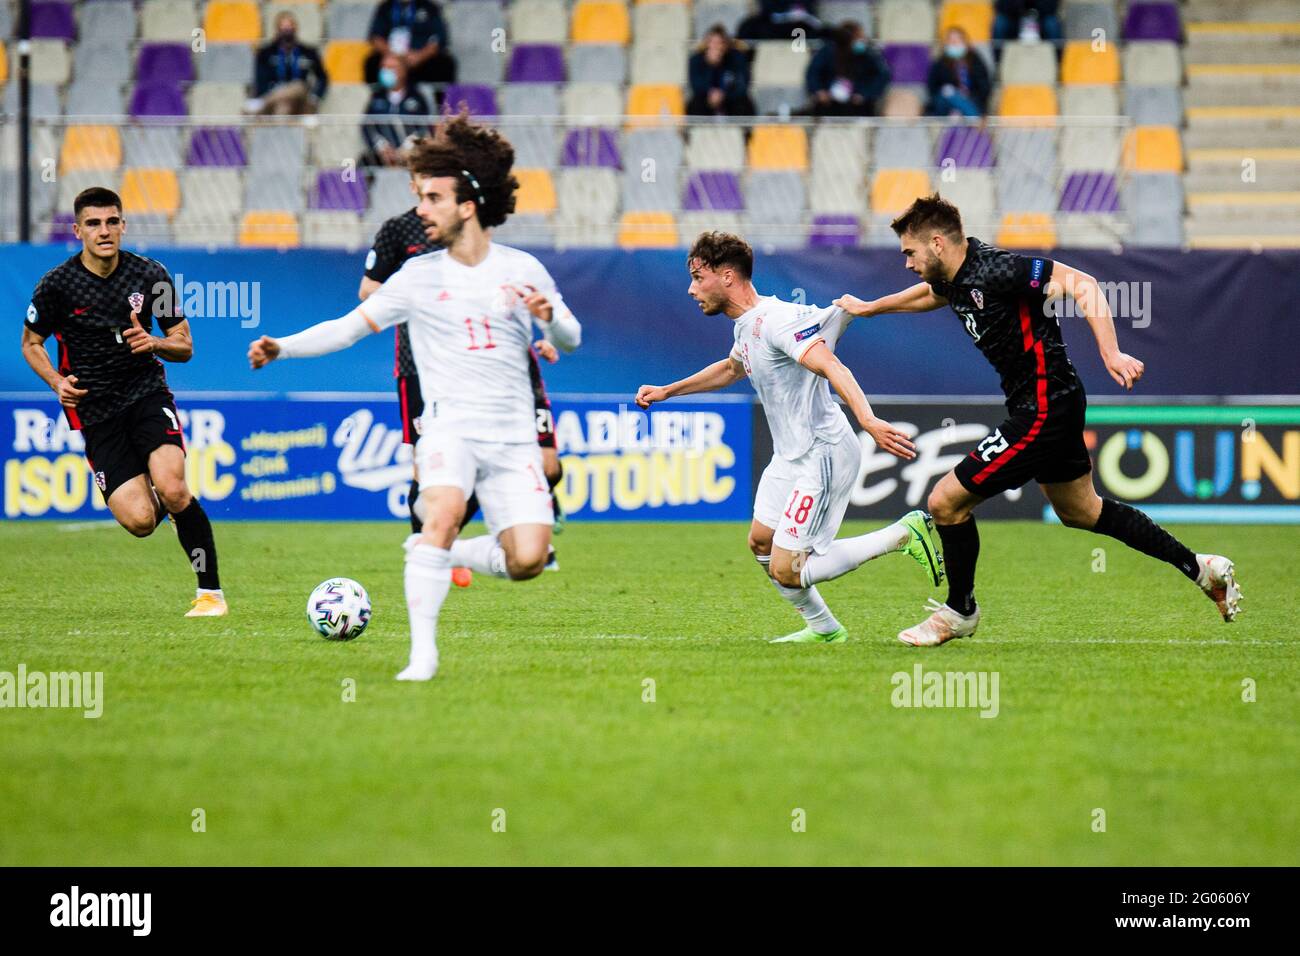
1242	43
1236	241
1220	170
1274	84
1247	134
1194	225
1238	10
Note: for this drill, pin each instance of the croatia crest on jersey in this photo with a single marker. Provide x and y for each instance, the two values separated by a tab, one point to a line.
977	297
136	301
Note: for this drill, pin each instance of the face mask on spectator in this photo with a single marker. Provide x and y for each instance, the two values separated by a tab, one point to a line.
388	78
955	50
859	46
288	35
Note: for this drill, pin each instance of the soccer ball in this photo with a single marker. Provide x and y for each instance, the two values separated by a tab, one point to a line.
339	609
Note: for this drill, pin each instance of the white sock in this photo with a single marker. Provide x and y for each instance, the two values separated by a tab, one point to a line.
199	592
807	601
845	554
483	555
428	578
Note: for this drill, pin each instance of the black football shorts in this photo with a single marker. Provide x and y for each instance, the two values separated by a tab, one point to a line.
1042	445
118	448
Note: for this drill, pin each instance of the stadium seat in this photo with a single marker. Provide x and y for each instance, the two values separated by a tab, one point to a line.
962	147
311	23
73	182
527	231
588	103
1089	192
900	147
1090	147
4	63
1153	21
536	144
1154	105
591	146
647	230
653	153
90	147
778	100
479	99
908	62
274	148
716	147
658	61
830	193
96	61
654	104
50	62
1085	63
191	231
52	20
106	20
345	99
1029	230
902	102
536	63
538	21
226	63
390	193
1153	63
173	20
972	191
892	190
330	229
641	193
588	195
775	197
597	63
158	147
975	18
536	195
530	99
209	100
94	98
778	147
164	63
269	228
841	150
232	21
727	12
339	190
1153	149
778	63
906	21
834	229
1030	105
335	144
149	191
1090	101
216	146
275	189
691	224
211	195
665	22
345	60
1027	63
1083	19
600	21
712	189
351	21
835	12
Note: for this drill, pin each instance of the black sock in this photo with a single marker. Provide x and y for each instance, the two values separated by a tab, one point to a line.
551	482
195	531
961	549
471	509
412	496
1125	523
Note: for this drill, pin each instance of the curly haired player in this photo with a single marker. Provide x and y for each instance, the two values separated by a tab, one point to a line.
470	307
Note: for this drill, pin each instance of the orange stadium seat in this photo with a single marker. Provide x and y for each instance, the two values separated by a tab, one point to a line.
1153	149
975	18
648	103
1029	103
232	21
148	191
269	228
778	147
90	147
600	21
345	60
536	192
1027	230
892	190
4	64
647	230
1082	64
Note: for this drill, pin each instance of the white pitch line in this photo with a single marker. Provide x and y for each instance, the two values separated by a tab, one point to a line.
88	525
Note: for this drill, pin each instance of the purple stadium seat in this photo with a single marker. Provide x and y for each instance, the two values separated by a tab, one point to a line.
713	190
908	62
1153	21
591	146
536	63
216	146
157	99
61	227
834	230
164	63
965	146
1090	192
337	189
53	21
481	100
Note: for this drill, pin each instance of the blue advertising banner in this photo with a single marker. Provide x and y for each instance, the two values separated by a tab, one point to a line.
342	458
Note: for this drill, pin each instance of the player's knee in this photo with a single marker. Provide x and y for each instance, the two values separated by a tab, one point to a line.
761	547
941	509
521	567
1075	517
786	576
140	524
175	497
554	472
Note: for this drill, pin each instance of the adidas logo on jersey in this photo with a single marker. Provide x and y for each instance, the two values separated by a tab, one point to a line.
444	295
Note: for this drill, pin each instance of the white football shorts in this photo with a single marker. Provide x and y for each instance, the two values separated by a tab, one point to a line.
507	476
804	500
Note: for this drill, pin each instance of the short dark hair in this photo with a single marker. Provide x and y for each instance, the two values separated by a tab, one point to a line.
95	196
717	249
930	214
478	158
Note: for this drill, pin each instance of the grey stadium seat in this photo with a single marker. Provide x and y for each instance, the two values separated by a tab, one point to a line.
1082	18
775	197
90	98
96	60
154	146
44	99
597	63
107	21
529	99
727	12
273	148
351	21
1154	105
778	100
536	144
660	194
274	189
664	146
903	147
226	63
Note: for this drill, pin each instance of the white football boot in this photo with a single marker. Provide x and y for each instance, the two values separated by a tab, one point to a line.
943	625
1219	582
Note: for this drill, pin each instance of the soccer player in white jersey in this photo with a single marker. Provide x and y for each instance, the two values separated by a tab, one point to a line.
470	308
787	350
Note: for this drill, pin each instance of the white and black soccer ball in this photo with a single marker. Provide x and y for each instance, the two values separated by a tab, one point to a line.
339	609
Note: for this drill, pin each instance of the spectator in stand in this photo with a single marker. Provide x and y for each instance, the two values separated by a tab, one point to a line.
720	77
393	96
848	76
776	19
289	78
1026	20
959	81
415	31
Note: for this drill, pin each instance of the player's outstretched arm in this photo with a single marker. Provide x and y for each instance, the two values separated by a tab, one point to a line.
321	339
917	298
1083	288
822	360
708	379
39	359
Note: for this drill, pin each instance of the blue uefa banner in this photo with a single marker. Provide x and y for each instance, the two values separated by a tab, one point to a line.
342	458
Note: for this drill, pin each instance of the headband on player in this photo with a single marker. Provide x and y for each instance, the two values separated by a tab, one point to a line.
478	190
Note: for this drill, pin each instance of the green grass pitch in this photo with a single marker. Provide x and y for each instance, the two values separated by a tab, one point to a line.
1119	690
